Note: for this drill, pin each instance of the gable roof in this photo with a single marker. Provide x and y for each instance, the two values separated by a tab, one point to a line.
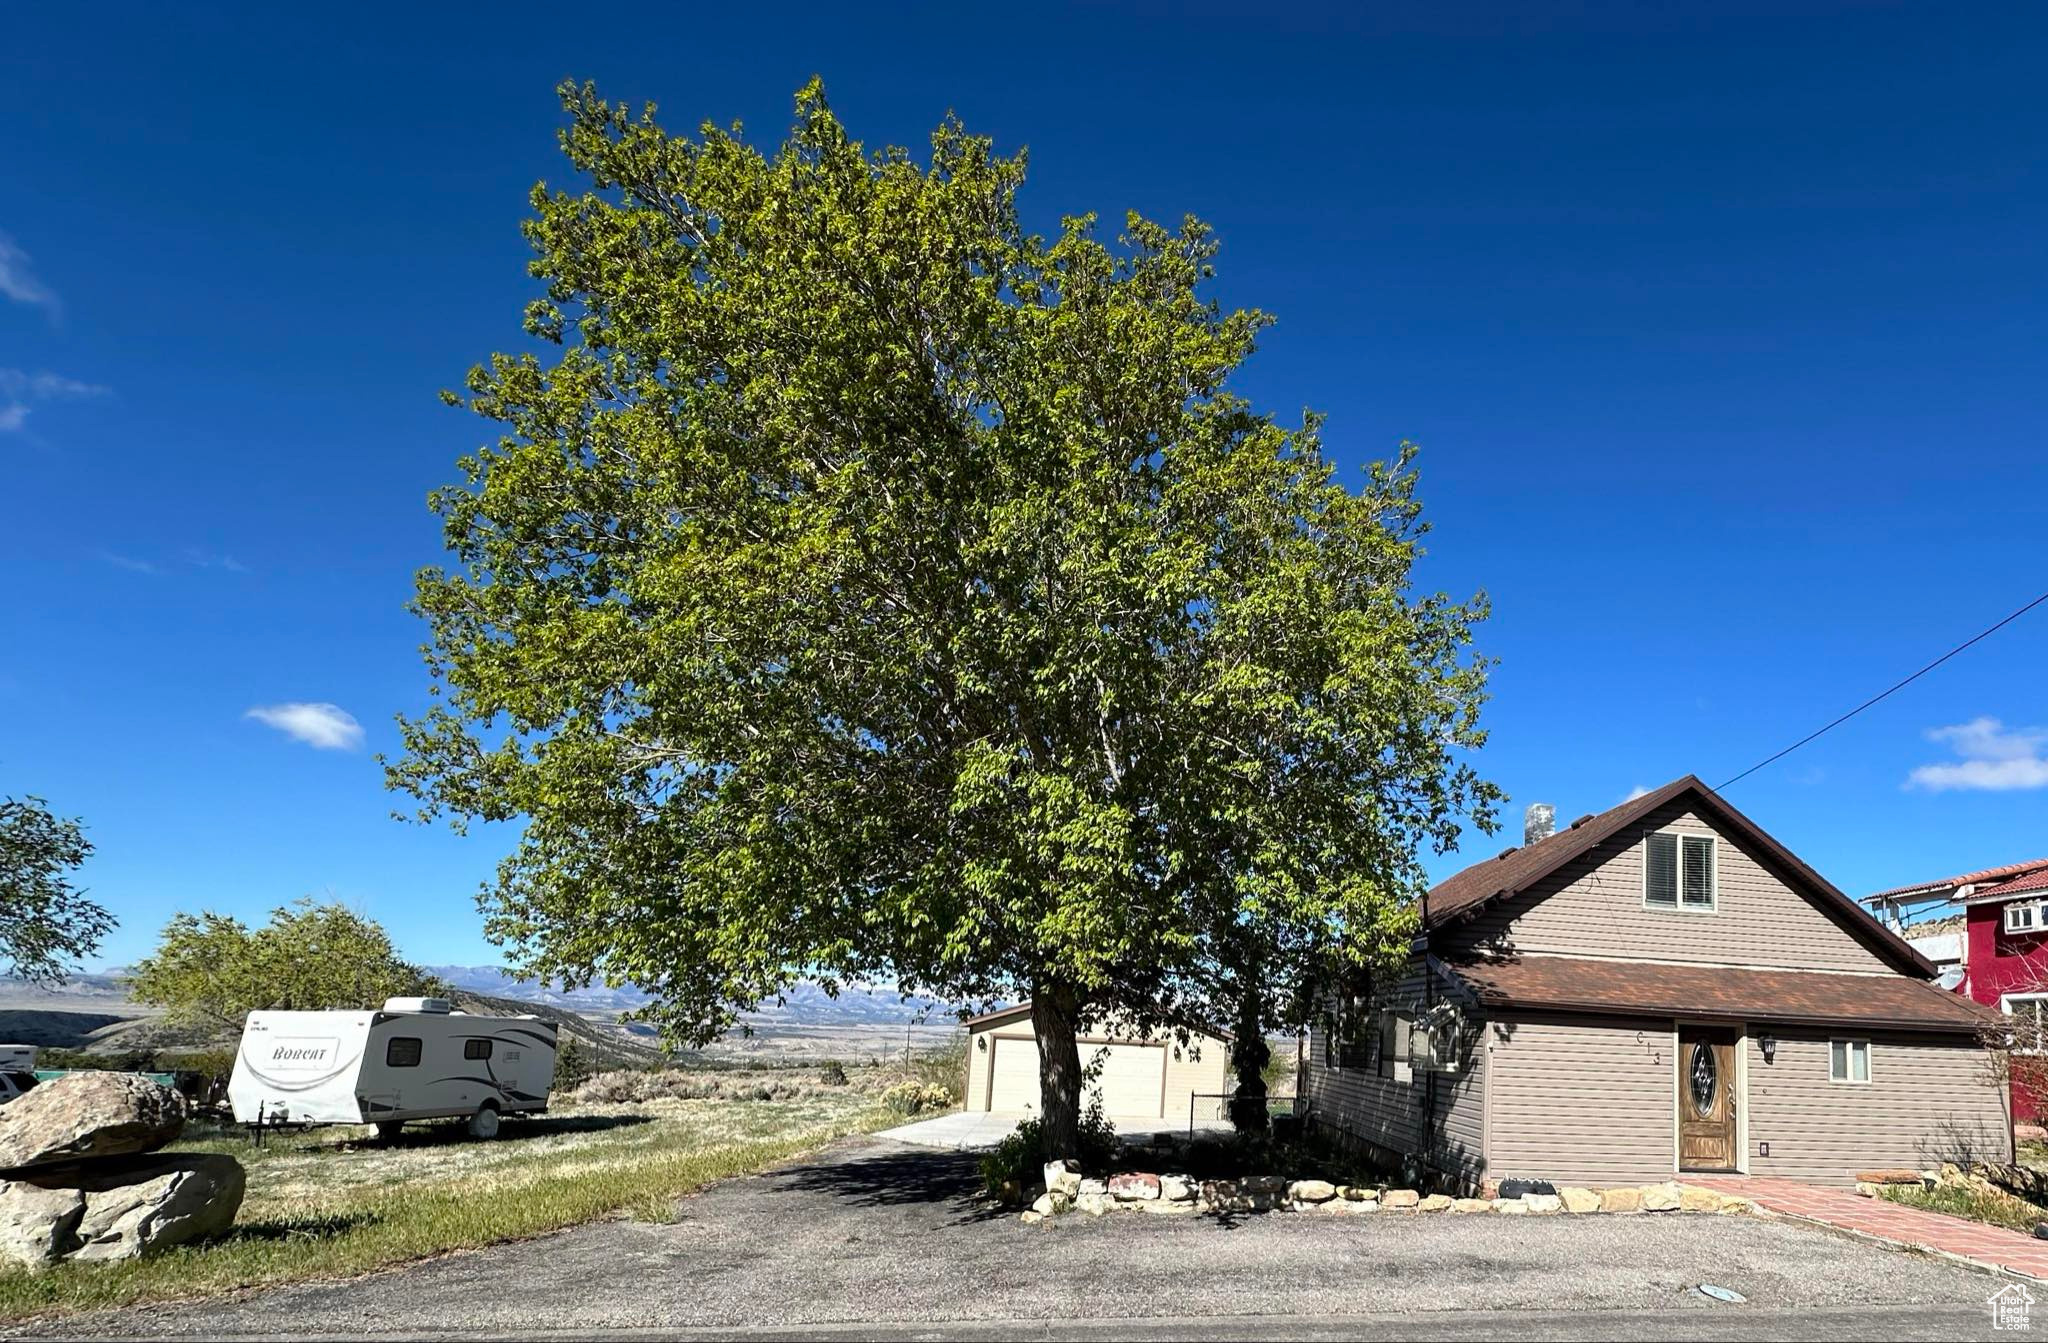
2005	872
1464	893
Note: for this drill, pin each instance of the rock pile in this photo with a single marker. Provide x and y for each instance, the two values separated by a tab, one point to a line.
81	1178
1067	1190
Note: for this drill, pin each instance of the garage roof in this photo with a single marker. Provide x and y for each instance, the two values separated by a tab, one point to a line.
1023	1009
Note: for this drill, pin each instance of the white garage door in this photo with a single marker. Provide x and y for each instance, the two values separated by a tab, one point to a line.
1132	1082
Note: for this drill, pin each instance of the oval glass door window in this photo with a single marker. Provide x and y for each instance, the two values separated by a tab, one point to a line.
1703	1079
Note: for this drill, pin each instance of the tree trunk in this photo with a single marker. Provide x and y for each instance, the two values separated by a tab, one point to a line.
1056	1021
1248	1056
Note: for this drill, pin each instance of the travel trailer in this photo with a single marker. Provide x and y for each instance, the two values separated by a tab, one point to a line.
418	1058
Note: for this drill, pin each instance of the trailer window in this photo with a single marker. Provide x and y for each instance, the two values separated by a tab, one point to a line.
403	1051
476	1049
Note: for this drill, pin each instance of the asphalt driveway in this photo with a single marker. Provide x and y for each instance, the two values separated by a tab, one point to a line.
876	1233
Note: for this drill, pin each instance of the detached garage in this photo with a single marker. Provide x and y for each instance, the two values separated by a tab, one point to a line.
1148	1078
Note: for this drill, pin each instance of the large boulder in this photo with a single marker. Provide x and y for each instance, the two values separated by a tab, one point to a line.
137	1205
86	1115
37	1225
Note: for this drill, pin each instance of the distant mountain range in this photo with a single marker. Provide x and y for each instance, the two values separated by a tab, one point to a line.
804	1005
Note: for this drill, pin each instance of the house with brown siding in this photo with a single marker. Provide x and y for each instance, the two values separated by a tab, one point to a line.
1657	989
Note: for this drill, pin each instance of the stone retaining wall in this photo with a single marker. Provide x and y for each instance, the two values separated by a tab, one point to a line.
1068	1191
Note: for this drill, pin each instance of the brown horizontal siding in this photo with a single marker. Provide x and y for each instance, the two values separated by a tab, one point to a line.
1587	1101
1359	1104
1928	1100
1594	906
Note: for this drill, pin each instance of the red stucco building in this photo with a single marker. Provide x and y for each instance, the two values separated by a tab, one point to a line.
1998	919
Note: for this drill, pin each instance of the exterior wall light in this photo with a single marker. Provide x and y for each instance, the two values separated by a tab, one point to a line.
1769	1045
981	1043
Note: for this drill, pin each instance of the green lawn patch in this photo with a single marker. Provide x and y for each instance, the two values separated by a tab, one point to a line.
1993	1206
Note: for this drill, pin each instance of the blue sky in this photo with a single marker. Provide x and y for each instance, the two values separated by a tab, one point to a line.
1721	329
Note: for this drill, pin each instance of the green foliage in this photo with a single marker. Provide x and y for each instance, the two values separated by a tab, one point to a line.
214	969
944	1069
1279	1071
1017	1163
916	1098
46	924
1995	1206
868	588
87	1060
1299	1157
833	1073
573	1064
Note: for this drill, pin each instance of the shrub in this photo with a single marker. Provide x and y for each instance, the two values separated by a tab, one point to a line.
833	1074
1017	1163
638	1088
944	1068
914	1098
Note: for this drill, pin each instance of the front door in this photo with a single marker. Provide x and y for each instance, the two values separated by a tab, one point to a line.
1706	1099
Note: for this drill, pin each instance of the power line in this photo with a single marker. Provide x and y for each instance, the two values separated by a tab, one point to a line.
1979	636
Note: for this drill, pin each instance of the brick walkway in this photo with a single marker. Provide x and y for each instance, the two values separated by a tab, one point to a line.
1988	1246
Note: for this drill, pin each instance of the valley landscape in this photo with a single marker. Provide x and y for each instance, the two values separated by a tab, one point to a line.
95	1013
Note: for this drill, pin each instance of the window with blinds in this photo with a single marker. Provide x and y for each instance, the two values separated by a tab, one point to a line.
1678	871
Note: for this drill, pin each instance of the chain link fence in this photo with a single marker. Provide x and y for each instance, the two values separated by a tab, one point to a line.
1212	1111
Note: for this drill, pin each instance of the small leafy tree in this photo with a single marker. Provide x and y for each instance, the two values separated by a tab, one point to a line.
46	923
213	969
573	1064
875	590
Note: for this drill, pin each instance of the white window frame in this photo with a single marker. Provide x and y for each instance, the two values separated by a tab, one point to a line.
2037	1001
1849	1077
2034	908
1436	1044
1679	903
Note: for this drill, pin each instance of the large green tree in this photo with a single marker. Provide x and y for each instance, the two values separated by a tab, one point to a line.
215	970
46	923
868	588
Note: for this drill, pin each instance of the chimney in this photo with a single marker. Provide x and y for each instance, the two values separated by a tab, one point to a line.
1538	822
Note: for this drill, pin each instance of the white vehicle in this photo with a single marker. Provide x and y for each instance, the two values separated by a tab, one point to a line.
17	1070
416	1059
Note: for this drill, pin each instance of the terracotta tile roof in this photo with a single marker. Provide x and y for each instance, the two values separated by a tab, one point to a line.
1965	879
2032	883
1636	988
1465	892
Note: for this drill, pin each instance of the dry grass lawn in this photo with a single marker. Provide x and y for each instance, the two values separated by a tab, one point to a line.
335	1202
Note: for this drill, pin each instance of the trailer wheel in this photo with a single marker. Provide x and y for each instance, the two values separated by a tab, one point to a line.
387	1129
484	1123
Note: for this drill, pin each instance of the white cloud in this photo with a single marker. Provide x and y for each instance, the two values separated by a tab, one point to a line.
46	386
203	559
21	388
1635	792
18	278
326	726
1994	758
129	562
